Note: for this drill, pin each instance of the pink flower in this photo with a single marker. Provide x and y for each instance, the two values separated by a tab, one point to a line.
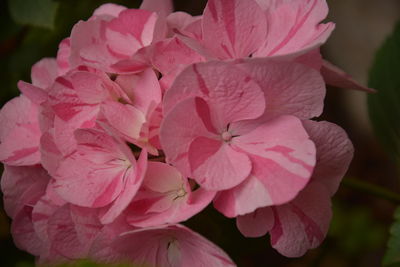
173	245
231	127
303	223
165	197
102	172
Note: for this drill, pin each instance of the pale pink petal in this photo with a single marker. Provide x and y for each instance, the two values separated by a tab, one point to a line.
44	72
109	9
338	78
289	88
257	223
179	21
215	165
230	93
282	155
302	224
233	29
295	25
172	245
334	153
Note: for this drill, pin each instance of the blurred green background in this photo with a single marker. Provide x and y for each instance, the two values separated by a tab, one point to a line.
360	227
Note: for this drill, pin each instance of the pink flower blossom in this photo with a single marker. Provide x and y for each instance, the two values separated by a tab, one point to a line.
231	135
303	223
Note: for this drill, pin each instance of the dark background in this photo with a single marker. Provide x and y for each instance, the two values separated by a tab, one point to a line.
359	229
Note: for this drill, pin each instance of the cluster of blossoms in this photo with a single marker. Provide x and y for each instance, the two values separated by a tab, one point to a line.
147	116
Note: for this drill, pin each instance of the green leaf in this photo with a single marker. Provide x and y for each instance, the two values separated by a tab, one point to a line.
392	256
40	13
384	106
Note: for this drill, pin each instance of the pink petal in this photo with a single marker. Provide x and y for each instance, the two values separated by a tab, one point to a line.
165	198
19	132
334	153
282	155
124	118
231	94
24	235
163	8
63	54
338	78
22	186
143	89
215	165
44	72
257	223
289	88
133	180
233	29
295	25
179	128
244	198
171	54
302	224
109	9
94	175
63	236
172	245
33	93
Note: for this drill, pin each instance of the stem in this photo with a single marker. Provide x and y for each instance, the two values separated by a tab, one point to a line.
372	189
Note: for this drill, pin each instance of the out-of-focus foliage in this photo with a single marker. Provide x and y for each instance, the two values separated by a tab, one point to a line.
384	106
392	256
355	230
40	13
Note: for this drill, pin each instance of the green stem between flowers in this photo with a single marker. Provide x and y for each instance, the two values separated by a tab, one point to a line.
372	189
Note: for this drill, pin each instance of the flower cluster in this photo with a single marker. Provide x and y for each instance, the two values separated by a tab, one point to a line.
146	116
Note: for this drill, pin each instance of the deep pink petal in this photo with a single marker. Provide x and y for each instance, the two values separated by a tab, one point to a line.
334	153
289	88
257	223
302	224
338	78
233	29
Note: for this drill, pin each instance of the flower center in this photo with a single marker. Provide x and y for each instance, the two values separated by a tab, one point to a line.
226	136
180	193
